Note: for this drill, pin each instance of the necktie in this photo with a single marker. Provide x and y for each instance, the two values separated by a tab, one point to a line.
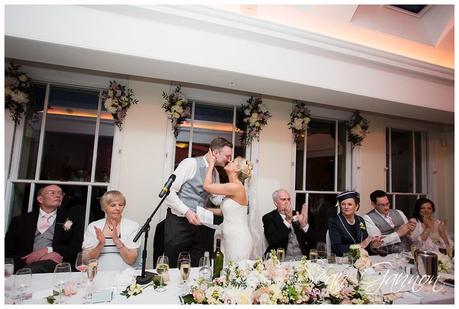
389	220
44	223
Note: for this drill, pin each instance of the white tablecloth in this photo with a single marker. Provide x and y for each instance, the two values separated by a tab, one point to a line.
116	282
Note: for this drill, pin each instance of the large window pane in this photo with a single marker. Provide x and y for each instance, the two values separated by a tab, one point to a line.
223	114
69	134
96	212
418	161
20	204
30	140
299	165
342	150
402	160
405	203
320	174
105	146
321	207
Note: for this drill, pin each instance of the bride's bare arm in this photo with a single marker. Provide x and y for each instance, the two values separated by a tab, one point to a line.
227	189
215	211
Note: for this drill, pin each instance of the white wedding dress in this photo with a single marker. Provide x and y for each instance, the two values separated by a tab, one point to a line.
237	240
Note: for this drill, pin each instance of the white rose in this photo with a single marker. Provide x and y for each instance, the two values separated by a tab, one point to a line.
307	120
19	97
7	91
247	111
298	123
362	263
253	119
262	108
23	78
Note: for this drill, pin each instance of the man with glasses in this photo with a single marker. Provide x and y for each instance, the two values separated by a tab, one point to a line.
46	236
391	223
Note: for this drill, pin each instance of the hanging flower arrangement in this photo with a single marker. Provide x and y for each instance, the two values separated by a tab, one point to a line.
357	129
299	120
177	108
17	92
117	100
256	116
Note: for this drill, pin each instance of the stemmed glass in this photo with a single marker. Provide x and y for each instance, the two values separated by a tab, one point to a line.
162	268
22	283
91	271
280	252
81	263
9	270
184	265
62	273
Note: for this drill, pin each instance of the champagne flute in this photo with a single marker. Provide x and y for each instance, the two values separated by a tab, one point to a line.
184	265
91	272
62	273
162	268
22	283
280	252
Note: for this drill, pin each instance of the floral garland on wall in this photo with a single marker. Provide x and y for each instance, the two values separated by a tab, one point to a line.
299	120
357	129
117	100
17	92
256	117
177	108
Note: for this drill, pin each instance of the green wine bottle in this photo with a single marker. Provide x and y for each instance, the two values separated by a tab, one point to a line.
218	260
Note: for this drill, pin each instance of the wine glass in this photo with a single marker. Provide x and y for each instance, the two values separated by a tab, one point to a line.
62	273
9	270
204	268
81	265
162	268
22	283
184	265
313	255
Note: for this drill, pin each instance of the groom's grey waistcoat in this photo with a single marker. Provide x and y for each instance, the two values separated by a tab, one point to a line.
385	228
192	193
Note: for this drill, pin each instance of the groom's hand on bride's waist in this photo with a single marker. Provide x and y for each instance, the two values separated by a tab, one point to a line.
192	217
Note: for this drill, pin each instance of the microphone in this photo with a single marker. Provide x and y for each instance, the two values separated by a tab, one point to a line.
167	185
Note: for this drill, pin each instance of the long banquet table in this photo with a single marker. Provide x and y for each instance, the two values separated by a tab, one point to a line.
115	281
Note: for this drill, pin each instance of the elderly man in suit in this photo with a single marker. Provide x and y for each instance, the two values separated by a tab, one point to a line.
288	230
46	236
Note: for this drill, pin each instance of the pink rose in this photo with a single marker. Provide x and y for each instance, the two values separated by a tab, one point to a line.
198	296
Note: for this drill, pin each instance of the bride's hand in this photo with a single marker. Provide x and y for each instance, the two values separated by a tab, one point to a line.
210	157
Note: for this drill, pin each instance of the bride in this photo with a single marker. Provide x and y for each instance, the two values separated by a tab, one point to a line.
237	240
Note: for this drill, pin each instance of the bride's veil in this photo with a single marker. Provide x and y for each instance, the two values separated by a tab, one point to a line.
254	218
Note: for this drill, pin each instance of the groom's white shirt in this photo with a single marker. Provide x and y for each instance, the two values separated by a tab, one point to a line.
185	171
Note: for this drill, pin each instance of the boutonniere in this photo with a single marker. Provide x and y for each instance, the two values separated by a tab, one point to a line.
362	226
67	225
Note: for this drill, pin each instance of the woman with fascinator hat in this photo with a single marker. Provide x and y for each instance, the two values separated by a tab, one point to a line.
237	239
348	228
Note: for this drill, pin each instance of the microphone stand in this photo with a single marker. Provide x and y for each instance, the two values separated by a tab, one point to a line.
146	276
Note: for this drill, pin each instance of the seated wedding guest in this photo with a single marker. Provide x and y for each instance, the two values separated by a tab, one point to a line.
46	236
347	228
391	223
111	239
285	229
430	233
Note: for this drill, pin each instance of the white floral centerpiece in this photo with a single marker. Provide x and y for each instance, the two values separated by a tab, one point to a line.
357	129
272	282
117	100
444	263
256	117
177	108
299	120
17	85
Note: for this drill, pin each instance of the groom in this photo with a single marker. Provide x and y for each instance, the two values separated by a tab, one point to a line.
183	230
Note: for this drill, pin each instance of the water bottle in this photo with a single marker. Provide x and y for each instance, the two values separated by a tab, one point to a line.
205	271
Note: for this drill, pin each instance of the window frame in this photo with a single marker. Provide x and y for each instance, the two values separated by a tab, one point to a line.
424	162
16	152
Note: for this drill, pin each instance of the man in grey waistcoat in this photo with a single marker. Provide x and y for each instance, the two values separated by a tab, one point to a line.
183	230
46	236
391	223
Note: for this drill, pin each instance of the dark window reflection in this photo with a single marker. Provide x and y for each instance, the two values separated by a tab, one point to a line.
69	134
402	160
96	212
30	140
320	174
299	165
321	207
405	203
21	192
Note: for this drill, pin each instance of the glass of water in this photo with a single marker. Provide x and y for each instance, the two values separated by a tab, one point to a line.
23	284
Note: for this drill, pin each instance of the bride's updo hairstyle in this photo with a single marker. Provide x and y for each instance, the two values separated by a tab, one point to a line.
243	168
